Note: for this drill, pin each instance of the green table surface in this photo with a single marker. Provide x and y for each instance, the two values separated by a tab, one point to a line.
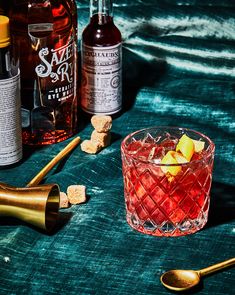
178	70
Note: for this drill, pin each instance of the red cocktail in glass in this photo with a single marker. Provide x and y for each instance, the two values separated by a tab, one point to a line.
158	202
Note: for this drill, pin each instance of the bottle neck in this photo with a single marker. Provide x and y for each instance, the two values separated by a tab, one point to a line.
101	8
5	63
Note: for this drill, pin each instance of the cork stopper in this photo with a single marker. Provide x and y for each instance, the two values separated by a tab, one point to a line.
4	31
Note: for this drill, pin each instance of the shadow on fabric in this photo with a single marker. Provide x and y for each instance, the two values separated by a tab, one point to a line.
63	219
138	73
222	207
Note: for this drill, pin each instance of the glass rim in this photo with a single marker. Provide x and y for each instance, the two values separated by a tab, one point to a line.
208	154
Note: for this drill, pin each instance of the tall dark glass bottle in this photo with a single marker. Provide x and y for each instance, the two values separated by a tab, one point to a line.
101	89
44	36
10	117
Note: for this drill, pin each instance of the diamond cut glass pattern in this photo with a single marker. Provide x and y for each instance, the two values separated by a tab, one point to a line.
157	204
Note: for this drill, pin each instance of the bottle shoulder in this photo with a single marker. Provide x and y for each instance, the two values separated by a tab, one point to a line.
63	15
101	35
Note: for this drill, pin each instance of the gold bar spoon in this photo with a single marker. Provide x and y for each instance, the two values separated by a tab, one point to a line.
182	280
37	179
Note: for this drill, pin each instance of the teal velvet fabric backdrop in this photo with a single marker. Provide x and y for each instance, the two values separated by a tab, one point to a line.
179	70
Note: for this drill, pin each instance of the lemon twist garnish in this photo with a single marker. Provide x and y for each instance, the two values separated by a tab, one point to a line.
170	158
198	145
186	147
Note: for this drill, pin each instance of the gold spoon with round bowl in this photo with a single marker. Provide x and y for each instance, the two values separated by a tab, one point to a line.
182	280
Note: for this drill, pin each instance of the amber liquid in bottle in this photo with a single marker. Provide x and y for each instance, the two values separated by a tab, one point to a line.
44	36
103	33
101	91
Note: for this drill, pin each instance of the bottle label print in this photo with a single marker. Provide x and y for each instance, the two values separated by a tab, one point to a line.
101	79
10	121
57	65
54	91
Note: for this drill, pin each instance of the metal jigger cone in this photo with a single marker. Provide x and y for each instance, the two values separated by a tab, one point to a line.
35	204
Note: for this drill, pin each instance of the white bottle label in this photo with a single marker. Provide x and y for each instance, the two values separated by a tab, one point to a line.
102	79
10	121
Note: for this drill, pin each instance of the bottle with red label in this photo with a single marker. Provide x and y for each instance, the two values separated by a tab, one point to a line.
44	37
101	89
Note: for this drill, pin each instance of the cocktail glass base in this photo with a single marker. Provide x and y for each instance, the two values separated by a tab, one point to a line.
167	228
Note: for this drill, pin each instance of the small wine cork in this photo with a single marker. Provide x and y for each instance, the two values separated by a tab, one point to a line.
101	123
102	138
76	194
90	147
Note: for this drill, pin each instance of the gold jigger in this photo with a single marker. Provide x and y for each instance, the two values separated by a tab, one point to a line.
37	205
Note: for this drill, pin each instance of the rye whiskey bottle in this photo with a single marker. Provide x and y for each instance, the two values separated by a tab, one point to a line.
44	36
10	116
101	89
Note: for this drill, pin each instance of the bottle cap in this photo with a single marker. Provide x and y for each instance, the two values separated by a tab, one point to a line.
4	31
